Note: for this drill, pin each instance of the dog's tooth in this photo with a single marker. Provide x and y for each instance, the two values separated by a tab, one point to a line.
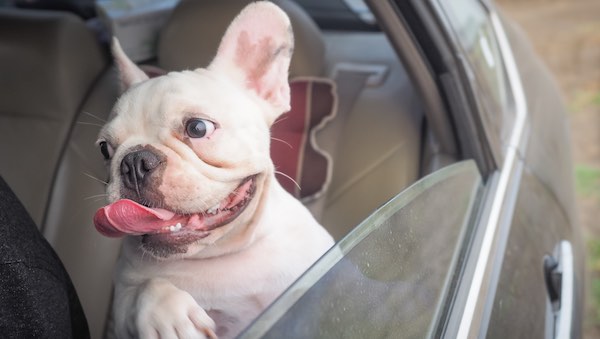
213	210
174	228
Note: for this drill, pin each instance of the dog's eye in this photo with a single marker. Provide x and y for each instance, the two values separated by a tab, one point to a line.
105	149
199	128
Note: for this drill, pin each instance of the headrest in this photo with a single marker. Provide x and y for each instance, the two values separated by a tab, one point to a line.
192	34
48	62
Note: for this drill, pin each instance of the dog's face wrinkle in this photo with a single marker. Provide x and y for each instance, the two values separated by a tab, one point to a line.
211	162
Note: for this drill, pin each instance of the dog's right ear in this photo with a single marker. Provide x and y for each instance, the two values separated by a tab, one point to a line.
129	72
256	51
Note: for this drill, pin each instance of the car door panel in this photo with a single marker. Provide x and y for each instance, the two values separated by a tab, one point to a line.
532	172
521	303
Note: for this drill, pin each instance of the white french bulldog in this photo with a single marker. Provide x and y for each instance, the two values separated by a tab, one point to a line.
211	236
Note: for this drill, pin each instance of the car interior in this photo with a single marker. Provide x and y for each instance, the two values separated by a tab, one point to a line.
60	85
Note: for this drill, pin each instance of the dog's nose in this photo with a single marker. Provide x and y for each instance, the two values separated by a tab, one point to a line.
136	166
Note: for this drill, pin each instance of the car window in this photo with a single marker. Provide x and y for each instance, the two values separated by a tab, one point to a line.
476	40
394	273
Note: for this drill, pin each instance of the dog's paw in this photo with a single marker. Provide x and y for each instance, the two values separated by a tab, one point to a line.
164	311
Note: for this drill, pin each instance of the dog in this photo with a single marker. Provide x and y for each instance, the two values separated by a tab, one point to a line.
211	238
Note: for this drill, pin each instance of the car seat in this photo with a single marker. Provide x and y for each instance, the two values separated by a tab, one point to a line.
58	89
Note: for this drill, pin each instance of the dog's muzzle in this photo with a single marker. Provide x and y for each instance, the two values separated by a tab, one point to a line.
136	168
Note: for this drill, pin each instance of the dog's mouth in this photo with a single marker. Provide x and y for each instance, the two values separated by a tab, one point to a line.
127	217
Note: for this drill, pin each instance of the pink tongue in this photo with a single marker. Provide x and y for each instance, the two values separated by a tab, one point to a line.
128	217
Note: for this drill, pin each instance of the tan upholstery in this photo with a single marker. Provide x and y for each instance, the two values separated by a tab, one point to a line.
53	73
191	36
48	61
88	256
377	150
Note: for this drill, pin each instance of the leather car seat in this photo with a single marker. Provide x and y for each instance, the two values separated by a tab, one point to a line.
57	88
197	27
44	81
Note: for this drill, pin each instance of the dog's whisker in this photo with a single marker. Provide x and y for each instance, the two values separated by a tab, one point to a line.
95	196
97	199
236	193
206	207
283	141
285	117
94	116
287	176
89	124
93	177
141	250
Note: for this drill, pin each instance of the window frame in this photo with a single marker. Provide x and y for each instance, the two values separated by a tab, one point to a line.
502	174
438	72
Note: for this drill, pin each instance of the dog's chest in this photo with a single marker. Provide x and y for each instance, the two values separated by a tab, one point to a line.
234	291
234	314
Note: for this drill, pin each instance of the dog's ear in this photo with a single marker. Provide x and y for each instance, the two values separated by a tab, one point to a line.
256	49
129	72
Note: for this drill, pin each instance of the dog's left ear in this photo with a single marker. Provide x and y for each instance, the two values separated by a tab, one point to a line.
256	49
129	73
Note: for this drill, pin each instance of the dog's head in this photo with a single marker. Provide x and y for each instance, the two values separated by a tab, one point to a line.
189	151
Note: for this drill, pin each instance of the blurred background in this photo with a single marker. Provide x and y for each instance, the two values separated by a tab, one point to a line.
566	34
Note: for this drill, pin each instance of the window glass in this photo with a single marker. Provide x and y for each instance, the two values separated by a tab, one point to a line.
392	275
477	42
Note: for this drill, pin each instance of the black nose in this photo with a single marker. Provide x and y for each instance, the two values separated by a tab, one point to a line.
136	167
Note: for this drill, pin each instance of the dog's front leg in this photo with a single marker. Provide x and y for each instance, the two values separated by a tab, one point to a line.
158	309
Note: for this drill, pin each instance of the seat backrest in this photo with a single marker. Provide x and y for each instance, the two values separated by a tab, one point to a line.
197	27
58	90
48	62
78	192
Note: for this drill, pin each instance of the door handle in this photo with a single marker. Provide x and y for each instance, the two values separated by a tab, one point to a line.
559	275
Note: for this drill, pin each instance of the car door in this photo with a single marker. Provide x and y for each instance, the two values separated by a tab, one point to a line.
526	281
